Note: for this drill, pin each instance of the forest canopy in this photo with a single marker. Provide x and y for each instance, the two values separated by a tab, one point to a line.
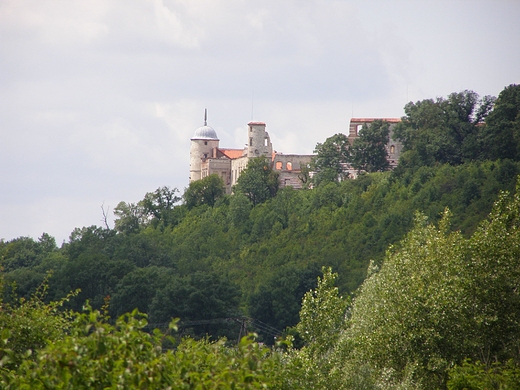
375	282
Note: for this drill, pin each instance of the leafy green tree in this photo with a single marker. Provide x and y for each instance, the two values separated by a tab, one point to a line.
160	206
92	239
369	149
501	134
94	273
322	320
205	191
26	252
412	315
137	289
198	296
443	130
239	209
97	355
29	325
427	309
157	209
277	301
130	217
258	181
469	376
331	158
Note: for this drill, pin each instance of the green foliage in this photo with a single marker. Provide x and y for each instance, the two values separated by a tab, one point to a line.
322	319
25	252
330	160
29	325
272	251
157	209
501	134
369	149
443	130
97	355
277	301
412	312
427	309
198	296
477	376
258	181
205	191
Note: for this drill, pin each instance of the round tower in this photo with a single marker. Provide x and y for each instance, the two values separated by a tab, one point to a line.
203	142
259	142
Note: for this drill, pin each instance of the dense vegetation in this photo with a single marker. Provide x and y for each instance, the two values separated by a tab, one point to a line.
229	264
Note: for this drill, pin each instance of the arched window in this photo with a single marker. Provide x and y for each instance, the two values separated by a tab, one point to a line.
279	165
289	166
392	149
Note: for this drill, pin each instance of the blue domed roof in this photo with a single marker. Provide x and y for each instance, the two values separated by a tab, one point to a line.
205	132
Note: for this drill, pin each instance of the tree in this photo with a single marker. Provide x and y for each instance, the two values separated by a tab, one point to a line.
277	302
137	289
29	325
331	159
25	252
198	296
443	130
369	149
130	217
412	314
323	317
258	181
159	207
438	299
205	191
501	134
97	355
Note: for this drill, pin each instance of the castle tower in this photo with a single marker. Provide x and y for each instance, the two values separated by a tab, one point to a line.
203	142
259	143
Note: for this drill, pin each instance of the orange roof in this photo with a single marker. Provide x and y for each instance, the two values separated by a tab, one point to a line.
368	120
232	153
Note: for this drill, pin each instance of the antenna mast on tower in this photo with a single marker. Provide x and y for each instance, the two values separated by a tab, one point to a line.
205	117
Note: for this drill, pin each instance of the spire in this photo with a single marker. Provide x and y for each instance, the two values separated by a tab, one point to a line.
205	117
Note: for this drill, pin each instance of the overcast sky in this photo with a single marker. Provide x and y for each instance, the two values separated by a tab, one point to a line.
99	98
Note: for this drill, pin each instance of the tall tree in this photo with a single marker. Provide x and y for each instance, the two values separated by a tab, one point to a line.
204	191
258	181
332	156
157	208
501	134
443	130
369	149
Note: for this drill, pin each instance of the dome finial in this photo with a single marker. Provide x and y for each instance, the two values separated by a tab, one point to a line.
205	117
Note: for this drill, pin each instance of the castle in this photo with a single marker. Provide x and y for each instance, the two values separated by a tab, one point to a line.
207	157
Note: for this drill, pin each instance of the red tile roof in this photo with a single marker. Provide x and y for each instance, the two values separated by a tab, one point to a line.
232	153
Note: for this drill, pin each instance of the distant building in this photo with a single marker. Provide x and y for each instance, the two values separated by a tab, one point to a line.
207	157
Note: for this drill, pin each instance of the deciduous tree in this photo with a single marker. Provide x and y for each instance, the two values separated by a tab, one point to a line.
258	181
369	149
331	160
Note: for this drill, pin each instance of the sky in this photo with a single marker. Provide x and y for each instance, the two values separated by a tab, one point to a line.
99	98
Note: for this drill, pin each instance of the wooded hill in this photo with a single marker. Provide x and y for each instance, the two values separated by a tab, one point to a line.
211	259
